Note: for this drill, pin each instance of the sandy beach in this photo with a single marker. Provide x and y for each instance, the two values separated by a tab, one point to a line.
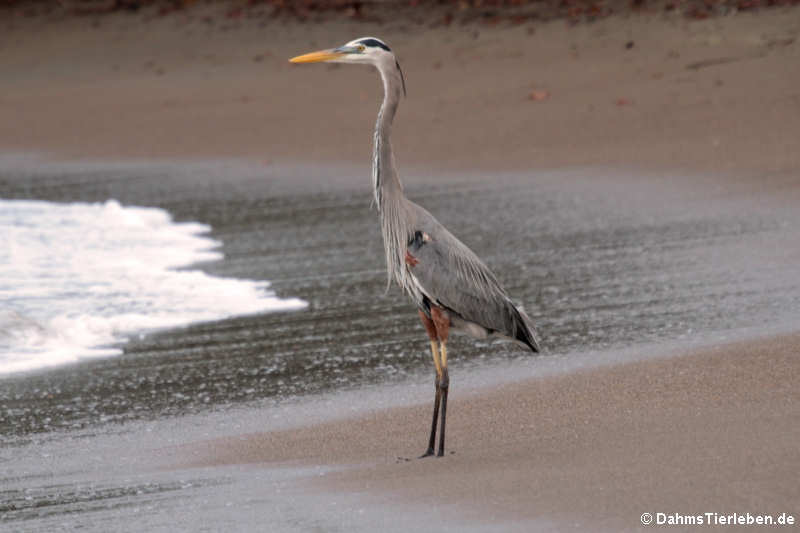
712	431
716	95
667	145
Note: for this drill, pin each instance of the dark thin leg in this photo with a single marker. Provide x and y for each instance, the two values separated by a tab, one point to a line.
444	387
432	441
431	329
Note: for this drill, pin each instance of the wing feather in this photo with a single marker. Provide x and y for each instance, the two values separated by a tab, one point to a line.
450	275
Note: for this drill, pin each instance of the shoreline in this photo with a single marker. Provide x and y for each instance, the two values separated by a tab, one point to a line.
590	448
685	430
692	206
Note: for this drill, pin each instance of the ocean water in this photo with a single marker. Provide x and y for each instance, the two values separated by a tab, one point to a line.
602	261
78	279
611	267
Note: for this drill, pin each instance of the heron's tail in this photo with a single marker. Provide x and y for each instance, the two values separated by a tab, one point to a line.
523	329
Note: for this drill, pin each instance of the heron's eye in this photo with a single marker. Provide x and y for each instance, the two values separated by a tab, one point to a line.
361	47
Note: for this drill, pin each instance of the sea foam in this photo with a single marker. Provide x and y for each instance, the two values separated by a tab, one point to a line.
76	280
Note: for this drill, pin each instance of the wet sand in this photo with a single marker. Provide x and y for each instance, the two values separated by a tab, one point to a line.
712	431
701	242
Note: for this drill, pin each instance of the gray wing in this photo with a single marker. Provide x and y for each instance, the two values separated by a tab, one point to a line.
450	275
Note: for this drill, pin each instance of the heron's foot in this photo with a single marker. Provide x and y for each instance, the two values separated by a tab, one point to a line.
428	453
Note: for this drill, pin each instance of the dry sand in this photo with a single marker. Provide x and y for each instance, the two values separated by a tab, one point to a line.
712	431
713	95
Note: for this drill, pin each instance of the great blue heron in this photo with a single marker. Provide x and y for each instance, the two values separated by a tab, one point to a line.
452	288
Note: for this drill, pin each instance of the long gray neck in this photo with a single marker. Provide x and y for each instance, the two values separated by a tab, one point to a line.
396	223
384	173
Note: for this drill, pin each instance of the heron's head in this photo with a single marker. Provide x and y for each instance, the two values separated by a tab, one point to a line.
364	50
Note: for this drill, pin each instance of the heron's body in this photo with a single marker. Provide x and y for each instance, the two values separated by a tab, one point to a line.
443	272
453	289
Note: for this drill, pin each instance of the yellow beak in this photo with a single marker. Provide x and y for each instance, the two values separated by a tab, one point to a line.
316	57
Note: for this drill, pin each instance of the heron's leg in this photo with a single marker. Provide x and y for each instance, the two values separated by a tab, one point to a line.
442	322
444	386
432	439
429	327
